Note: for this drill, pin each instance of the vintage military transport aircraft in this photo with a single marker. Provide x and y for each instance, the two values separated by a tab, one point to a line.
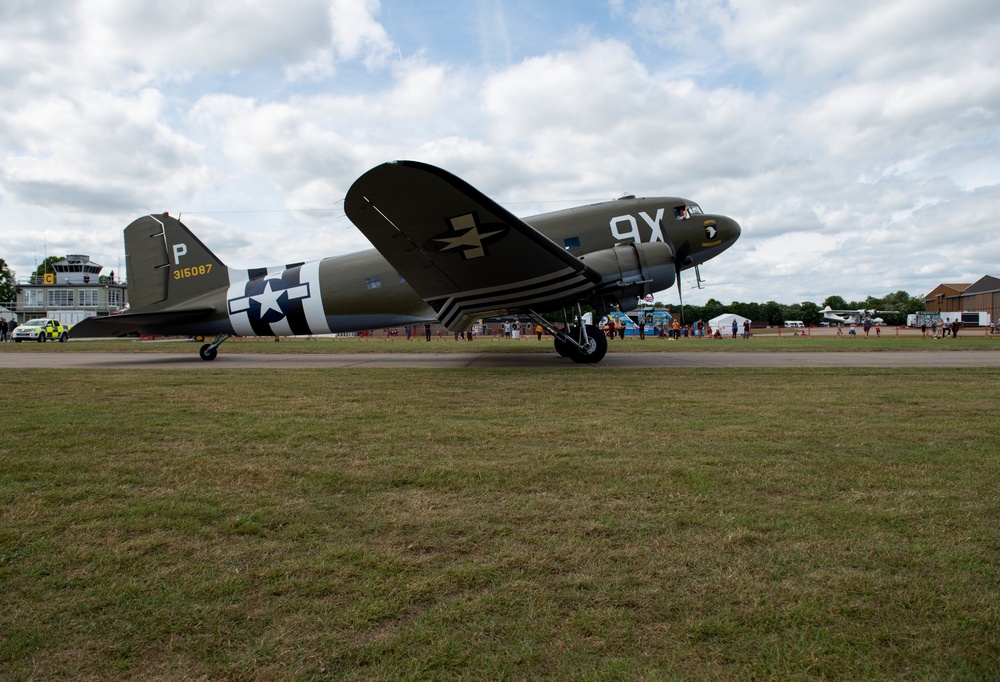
858	316
445	252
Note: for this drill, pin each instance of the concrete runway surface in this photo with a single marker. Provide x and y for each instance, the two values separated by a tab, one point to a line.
190	360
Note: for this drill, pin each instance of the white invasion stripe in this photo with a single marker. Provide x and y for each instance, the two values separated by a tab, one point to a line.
237	289
281	327
455	307
313	306
561	283
558	288
499	299
548	277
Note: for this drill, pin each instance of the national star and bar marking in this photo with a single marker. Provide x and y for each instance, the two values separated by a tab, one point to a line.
271	300
467	237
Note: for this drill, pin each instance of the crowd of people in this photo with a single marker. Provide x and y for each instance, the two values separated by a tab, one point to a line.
619	327
940	330
675	330
612	328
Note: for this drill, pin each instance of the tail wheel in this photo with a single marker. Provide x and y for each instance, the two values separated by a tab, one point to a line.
207	352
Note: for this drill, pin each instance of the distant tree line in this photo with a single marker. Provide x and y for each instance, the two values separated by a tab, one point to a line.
809	313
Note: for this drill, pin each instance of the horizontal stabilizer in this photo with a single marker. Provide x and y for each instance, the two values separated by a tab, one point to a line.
128	324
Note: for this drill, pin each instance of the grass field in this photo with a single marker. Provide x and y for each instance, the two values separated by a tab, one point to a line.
500	524
763	340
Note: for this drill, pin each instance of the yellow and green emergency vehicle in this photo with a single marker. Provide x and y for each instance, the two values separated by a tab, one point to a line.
41	329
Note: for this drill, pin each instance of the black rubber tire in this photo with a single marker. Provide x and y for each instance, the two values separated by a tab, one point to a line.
63	337
41	337
562	347
207	353
598	347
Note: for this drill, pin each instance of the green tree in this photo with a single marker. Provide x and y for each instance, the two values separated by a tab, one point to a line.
902	302
771	313
46	266
7	281
837	303
712	308
739	308
810	313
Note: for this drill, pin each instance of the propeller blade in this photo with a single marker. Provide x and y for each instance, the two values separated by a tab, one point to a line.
682	257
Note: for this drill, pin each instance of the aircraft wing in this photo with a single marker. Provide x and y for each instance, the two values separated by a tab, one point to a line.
132	323
465	255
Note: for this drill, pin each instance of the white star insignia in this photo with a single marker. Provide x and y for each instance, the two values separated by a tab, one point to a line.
268	299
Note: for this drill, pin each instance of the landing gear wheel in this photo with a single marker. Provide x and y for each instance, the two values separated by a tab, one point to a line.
63	337
206	352
562	347
594	350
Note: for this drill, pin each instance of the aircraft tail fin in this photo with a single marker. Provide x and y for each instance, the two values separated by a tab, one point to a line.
168	267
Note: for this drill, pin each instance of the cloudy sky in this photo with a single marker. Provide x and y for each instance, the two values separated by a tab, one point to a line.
857	143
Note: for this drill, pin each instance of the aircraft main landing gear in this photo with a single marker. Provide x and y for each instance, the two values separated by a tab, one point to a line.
585	344
592	344
210	350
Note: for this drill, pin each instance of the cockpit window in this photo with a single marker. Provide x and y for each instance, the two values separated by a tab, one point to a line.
686	211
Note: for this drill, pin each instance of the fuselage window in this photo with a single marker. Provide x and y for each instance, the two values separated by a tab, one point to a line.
571	242
373	283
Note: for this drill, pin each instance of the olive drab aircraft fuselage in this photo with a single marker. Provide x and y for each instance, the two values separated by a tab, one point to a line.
443	252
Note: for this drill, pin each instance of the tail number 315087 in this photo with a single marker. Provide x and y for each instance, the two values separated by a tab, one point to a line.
184	273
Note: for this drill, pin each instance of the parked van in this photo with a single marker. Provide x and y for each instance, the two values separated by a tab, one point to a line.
794	324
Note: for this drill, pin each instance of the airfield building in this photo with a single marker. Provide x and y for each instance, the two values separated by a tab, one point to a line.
980	296
74	290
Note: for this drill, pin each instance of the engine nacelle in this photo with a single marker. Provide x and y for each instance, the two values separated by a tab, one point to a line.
632	271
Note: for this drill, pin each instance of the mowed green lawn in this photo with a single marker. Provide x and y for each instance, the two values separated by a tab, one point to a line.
500	524
766	340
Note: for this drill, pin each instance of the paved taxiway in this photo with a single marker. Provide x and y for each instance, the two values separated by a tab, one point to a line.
77	360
